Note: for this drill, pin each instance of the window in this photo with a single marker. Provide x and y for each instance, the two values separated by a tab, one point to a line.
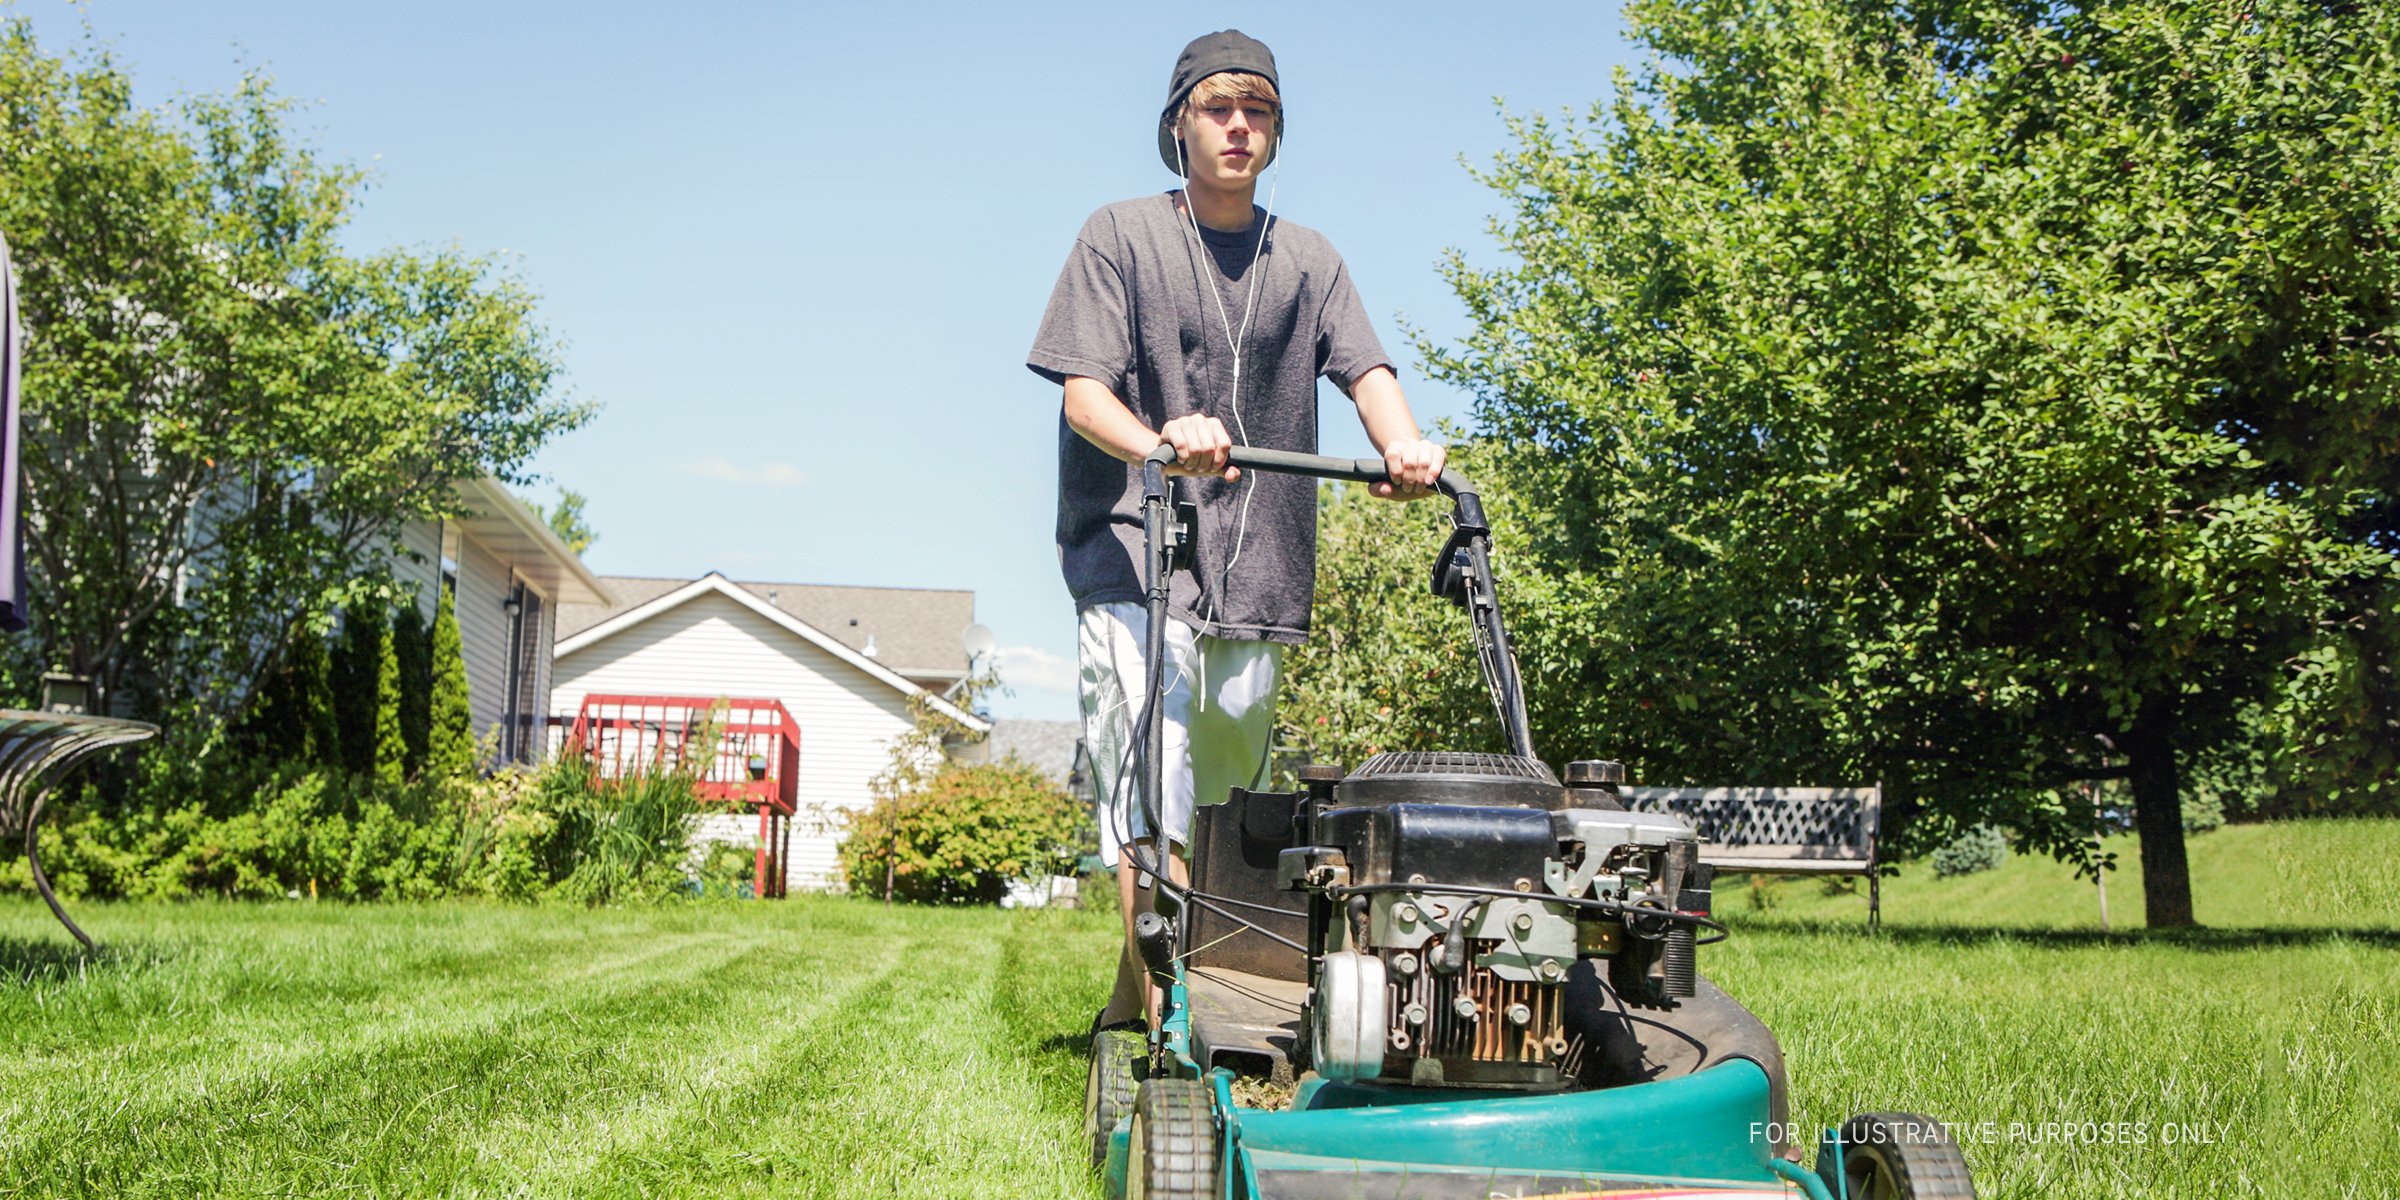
520	729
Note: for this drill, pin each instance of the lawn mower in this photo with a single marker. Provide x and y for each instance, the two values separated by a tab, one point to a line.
1469	978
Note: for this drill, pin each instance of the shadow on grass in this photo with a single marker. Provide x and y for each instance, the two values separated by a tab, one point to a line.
26	961
2202	938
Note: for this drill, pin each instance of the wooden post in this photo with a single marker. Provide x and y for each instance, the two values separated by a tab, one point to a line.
758	881
2099	829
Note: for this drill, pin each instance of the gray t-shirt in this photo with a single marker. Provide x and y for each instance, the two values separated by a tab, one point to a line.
1131	310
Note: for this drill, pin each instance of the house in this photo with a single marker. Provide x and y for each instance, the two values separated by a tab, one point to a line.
512	576
846	662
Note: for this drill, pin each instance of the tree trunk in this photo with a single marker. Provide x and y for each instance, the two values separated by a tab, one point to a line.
2158	816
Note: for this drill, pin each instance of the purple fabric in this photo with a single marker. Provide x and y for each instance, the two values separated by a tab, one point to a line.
12	548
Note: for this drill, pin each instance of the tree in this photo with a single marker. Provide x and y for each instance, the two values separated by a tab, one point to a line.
920	752
1387	666
567	521
391	746
293	718
311	671
1924	394
227	417
412	648
450	751
357	683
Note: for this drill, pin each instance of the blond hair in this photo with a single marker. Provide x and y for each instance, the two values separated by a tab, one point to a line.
1236	86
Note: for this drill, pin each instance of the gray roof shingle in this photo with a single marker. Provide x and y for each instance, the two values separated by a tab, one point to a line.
1048	745
916	631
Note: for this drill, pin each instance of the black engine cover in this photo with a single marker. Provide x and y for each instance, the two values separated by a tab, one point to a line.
1461	844
1452	777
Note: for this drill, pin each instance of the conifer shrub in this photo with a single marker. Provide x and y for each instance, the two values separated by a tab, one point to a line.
450	750
356	660
1976	848
412	645
391	749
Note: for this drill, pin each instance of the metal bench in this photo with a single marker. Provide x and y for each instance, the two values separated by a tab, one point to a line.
1780	831
37	750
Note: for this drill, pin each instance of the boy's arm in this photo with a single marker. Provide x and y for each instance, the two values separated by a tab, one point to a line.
1414	463
1201	443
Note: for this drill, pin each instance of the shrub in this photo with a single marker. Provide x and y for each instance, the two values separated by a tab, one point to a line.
729	869
450	736
619	839
1096	891
355	661
1976	848
412	648
964	836
292	718
391	748
226	825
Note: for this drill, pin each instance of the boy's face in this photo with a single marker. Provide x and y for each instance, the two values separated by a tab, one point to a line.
1225	142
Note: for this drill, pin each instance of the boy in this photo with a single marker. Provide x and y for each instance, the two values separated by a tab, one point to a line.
1198	320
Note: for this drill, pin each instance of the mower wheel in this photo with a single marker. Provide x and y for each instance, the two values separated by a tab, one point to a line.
1895	1156
1174	1150
1119	1057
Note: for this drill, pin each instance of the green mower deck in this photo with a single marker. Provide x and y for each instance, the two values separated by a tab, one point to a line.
1698	1136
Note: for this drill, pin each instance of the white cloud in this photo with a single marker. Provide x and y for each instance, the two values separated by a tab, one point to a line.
774	474
1031	668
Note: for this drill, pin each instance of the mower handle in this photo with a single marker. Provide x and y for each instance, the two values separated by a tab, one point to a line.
1359	470
1463	572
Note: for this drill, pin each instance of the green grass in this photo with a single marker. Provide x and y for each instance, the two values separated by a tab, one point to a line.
1993	1001
2314	875
828	1047
812	1048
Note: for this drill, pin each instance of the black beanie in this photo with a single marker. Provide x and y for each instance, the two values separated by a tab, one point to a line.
1225	50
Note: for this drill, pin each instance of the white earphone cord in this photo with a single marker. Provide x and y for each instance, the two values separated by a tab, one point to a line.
1233	340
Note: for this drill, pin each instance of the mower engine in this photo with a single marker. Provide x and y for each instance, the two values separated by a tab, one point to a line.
1451	897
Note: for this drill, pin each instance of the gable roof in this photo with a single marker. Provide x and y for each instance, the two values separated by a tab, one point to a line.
716	584
915	630
1051	746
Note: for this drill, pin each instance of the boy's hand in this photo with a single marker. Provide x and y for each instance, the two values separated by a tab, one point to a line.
1414	464
1202	447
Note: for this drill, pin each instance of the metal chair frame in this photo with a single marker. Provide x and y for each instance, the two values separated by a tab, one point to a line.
37	750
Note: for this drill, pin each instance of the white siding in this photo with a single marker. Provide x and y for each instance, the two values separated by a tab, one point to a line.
483	583
712	646
425	539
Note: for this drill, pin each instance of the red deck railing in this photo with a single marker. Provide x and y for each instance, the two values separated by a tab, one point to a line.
755	763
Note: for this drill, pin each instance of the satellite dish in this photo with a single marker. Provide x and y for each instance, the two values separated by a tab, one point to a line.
978	641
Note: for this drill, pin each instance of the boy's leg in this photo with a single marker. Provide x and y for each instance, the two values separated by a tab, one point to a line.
1133	995
1231	744
1222	739
1233	722
1110	648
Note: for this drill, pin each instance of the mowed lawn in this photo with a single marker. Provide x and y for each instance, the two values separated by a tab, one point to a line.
828	1047
815	1047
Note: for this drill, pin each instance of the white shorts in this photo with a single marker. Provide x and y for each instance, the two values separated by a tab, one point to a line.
1219	711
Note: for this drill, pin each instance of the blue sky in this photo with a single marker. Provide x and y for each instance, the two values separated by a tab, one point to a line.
797	253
